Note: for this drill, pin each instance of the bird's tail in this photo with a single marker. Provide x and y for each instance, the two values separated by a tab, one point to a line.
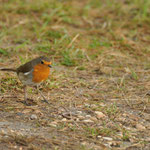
8	69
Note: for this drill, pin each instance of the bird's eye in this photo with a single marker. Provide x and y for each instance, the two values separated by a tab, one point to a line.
42	62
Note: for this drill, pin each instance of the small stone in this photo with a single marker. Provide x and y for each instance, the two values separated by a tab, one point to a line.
114	143
146	116
12	131
127	70
140	127
99	114
88	121
81	117
64	120
147	139
33	117
38	112
107	138
120	135
93	118
93	106
99	136
87	105
59	116
20	114
53	124
15	147
88	116
84	143
102	105
79	112
121	119
77	119
25	111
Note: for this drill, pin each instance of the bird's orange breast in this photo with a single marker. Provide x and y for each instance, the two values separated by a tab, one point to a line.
40	73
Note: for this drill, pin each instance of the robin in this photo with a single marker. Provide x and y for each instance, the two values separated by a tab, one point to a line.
33	73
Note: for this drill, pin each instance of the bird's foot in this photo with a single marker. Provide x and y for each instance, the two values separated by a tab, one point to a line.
45	101
29	102
26	103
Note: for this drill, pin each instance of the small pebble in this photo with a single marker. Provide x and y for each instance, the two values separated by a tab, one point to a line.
53	124
99	136
15	147
20	114
93	106
87	105
107	138
25	111
93	118
64	120
33	117
79	112
77	119
99	114
88	116
88	121
140	127
81	117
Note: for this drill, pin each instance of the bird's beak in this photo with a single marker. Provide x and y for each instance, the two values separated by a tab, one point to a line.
50	66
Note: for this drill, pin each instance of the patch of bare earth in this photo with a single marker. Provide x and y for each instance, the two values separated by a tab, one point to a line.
91	109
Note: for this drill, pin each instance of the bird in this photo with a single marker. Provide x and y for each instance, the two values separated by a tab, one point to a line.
33	73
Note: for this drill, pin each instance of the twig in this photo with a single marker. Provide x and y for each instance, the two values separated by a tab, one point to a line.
73	40
9	96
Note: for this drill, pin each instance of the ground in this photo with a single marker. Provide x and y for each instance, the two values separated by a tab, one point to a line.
99	86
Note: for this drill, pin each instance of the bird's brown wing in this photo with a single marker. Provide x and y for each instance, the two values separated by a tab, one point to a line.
30	65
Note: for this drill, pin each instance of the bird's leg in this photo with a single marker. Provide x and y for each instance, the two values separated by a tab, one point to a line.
45	100
25	93
25	96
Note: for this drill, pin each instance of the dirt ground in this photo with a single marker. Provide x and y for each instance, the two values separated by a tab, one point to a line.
99	86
